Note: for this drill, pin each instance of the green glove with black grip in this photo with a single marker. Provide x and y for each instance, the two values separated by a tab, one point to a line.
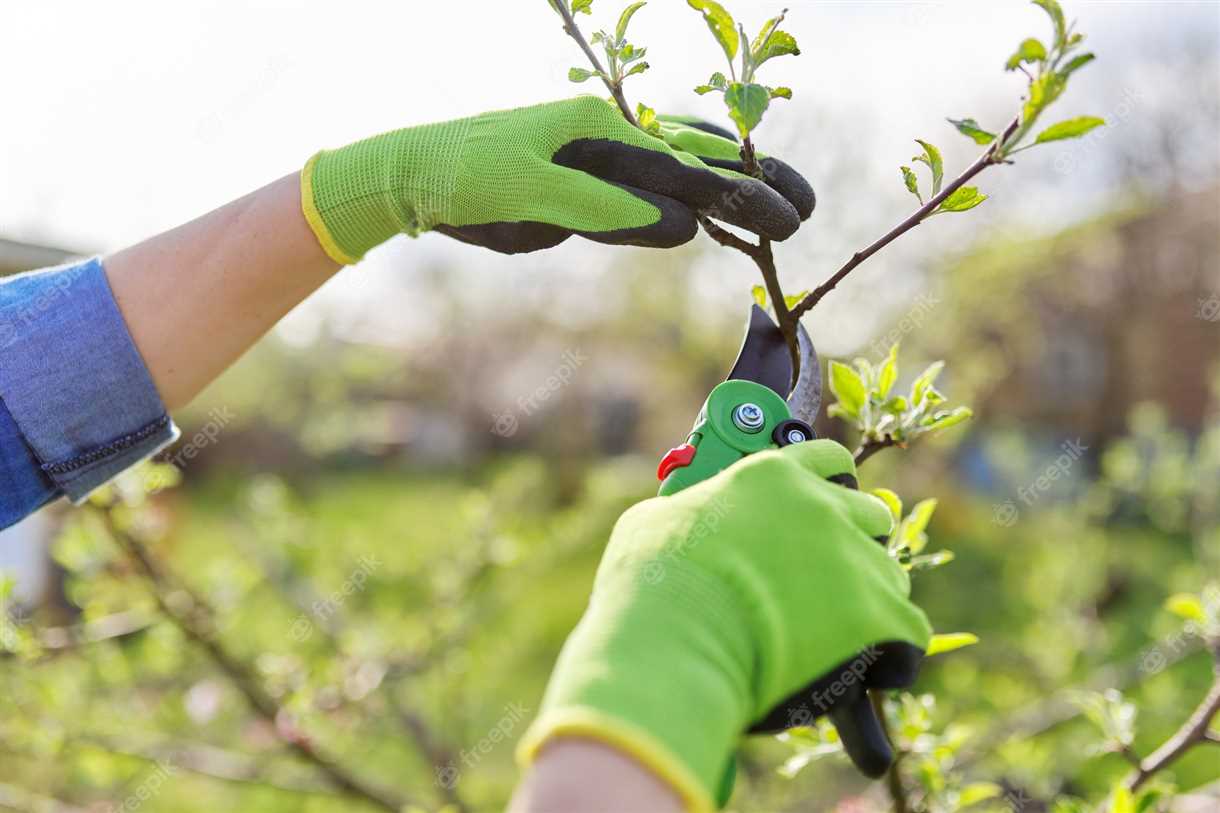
526	179
755	600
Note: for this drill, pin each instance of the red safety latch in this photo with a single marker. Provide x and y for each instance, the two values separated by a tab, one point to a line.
675	458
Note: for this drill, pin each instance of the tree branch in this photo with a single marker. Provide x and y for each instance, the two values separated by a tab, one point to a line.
194	618
866	450
332	627
1191	733
572	30
988	158
893	777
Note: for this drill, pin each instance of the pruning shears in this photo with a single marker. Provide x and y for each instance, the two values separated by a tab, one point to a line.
758	407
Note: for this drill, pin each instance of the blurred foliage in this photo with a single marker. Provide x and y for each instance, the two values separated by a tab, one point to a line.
389	589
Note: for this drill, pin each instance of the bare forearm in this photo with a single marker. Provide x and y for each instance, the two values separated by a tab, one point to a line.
196	297
574	775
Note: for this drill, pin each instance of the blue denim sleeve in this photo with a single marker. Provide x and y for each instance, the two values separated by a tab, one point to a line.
73	383
23	487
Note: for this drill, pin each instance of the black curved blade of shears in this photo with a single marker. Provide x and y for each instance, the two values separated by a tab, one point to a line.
764	359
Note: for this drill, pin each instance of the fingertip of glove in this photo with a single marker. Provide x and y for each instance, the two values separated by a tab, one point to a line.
825	458
792	185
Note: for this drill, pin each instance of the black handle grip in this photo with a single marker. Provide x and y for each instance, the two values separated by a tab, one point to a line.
861	733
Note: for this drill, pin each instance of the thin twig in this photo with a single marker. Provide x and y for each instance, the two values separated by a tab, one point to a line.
207	761
1191	733
572	30
989	158
867	450
893	777
1059	708
195	619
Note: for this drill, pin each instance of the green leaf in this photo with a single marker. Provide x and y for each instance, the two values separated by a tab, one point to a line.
630	53
912	183
1076	63
792	300
580	74
780	43
921	385
746	104
638	67
1030	51
702	89
718	80
1072	128
891	500
951	641
721	24
769	26
1187	606
889	372
895	406
1042	92
647	117
781	92
917	521
966	197
1121	801
582	6
848	388
943	420
970	128
931	157
1147	800
620	31
1055	11
760	295
977	792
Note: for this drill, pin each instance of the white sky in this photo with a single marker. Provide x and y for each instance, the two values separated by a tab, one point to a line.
125	118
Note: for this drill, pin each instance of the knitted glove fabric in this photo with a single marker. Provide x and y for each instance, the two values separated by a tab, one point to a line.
726	607
525	179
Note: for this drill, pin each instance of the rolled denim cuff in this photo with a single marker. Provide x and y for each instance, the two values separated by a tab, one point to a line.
73	380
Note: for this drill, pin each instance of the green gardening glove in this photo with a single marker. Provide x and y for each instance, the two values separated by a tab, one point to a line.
526	179
755	600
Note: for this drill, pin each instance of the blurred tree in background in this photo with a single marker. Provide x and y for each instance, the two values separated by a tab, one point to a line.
354	596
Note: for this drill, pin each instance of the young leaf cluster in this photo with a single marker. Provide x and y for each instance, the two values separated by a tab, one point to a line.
623	59
910	538
938	784
865	398
1048	69
745	99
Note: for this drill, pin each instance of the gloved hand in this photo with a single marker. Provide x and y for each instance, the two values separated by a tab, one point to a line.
525	179
752	601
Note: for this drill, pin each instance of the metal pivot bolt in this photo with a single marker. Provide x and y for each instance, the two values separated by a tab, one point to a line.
792	431
749	418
